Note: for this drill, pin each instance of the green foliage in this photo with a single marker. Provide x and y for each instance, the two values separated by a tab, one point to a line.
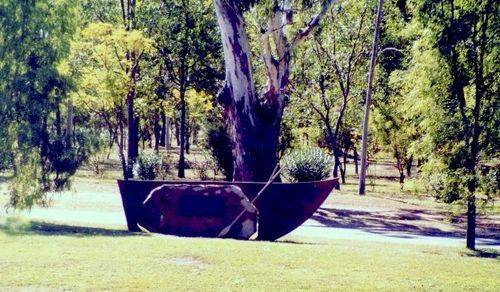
146	166
26	188
34	92
452	77
100	143
151	165
310	164
330	80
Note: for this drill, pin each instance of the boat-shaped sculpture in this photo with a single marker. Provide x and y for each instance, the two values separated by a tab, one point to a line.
282	207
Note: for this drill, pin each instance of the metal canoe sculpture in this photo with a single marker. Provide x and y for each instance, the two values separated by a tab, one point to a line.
282	208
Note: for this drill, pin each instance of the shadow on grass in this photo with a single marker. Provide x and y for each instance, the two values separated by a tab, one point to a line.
13	227
491	254
298	242
18	227
403	223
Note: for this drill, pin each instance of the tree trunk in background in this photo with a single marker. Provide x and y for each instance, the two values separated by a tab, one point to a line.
69	121
177	132
182	134
401	168
355	161
366	119
157	132
183	87
344	166
336	159
163	129
133	132
194	134
120	141
167	133
408	164
188	136
58	121
471	222
129	22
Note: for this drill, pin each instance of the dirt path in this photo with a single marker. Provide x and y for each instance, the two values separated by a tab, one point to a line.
343	217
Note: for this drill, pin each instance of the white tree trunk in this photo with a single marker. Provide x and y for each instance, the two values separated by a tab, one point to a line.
254	125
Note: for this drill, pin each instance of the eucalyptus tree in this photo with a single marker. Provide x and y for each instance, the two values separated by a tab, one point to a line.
254	118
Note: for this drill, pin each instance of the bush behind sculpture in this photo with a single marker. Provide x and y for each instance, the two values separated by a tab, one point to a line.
311	164
151	165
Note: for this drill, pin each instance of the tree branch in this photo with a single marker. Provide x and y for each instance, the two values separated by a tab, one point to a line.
315	21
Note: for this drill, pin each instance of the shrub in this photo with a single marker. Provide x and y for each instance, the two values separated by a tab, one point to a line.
310	164
165	168
96	160
150	165
201	170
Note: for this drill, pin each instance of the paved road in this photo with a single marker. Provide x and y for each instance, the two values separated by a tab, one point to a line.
313	229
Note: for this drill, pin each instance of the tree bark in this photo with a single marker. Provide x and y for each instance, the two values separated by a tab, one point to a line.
157	132
471	222
177	132
344	166
120	141
355	161
129	21
401	168
253	123
133	128
188	136
69	121
182	138
408	165
183	86
239	99
167	133
366	119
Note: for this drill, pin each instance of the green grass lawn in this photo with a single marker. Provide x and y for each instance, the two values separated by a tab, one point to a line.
45	256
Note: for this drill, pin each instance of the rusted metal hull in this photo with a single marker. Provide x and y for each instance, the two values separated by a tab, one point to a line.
282	207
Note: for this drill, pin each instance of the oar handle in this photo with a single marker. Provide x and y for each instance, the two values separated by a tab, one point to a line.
274	174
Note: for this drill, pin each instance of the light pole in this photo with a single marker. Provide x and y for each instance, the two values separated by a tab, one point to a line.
364	142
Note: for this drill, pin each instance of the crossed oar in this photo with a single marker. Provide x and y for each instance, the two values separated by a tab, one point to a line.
274	175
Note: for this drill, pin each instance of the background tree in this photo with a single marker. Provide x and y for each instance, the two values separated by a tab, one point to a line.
395	122
186	38
333	74
99	65
455	68
33	91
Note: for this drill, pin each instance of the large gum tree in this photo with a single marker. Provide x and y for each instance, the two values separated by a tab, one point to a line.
254	117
